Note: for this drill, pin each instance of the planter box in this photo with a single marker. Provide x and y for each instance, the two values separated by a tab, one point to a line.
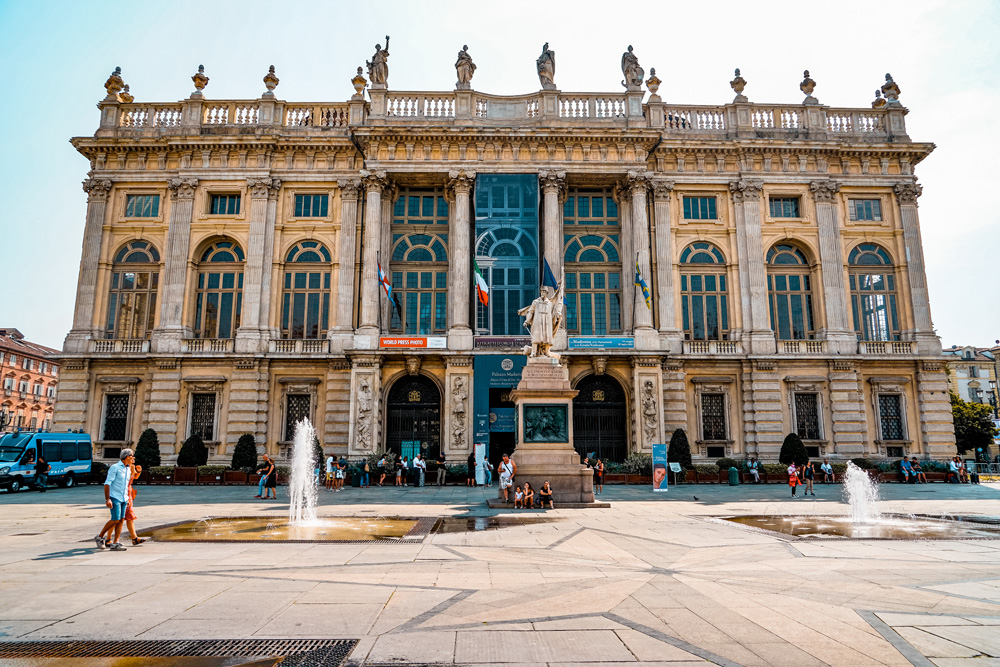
234	477
253	478
638	479
283	479
161	479
185	475
213	478
614	479
143	477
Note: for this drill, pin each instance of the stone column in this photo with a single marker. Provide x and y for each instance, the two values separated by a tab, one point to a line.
268	331
343	329
374	183
757	335
923	329
627	255
84	327
675	402
389	196
553	186
837	330
172	329
248	337
459	253
646	337
671	338
847	411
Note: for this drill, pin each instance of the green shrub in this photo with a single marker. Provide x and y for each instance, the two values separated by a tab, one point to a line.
775	469
613	468
839	468
161	470
867	464
212	470
99	471
707	469
193	453
679	450
793	451
459	470
727	463
284	471
245	454
637	464
147	450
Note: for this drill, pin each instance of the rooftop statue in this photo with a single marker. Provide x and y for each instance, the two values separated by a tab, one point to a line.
739	83
878	102
547	68
630	68
114	84
807	87
543	318
465	68
891	92
378	68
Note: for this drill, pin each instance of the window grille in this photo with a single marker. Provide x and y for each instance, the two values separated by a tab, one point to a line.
203	416
891	416
296	409
807	416
115	417
713	417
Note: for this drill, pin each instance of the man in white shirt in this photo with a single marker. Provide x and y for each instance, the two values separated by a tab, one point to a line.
421	467
329	473
507	469
827	469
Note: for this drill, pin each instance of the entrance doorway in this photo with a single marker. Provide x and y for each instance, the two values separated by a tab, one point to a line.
413	416
600	418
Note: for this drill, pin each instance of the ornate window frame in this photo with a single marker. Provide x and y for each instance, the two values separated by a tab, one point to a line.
714	384
816	385
232	188
719	219
205	385
118	386
890	385
306	191
289	386
141	191
885	203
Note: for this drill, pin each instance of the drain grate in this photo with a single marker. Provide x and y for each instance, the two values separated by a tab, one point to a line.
297	652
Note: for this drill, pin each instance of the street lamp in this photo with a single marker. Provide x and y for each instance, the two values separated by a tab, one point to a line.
993	398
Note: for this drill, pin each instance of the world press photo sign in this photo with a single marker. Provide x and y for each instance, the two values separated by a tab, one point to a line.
433	342
601	342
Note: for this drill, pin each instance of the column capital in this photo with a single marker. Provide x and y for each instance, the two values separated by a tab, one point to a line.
552	181
349	188
637	181
907	193
824	191
182	188
263	188
374	181
662	189
97	189
460	181
745	190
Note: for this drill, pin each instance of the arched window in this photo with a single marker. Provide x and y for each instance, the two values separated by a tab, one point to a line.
593	284
135	278
420	276
873	293
704	305
508	257
789	292
305	301
219	299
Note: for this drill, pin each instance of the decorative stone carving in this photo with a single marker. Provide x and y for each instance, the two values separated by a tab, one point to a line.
465	68
878	102
824	191
552	181
543	318
270	81
261	188
360	83
662	190
374	180
364	415
125	96
649	412
891	92
459	395
633	73
97	188
807	86
349	188
745	190
114	85
738	84
378	68
182	188
460	180
636	180
599	364
546	65
413	365
200	81
653	84
907	193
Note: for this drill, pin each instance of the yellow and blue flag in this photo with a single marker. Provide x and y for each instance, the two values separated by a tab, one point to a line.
641	284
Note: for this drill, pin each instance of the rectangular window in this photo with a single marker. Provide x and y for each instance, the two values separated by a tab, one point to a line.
115	417
142	206
699	208
297	409
891	416
203	416
807	416
865	209
311	206
8	383
973	371
785	207
225	205
590	207
713	417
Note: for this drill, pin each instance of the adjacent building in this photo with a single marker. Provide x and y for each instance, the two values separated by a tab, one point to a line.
30	378
232	253
972	374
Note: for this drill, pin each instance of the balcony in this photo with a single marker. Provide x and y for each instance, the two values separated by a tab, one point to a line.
886	348
207	345
311	346
712	347
802	346
119	346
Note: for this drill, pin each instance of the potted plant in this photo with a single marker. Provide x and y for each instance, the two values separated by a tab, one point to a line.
707	473
193	454
161	475
613	473
98	473
638	469
147	454
210	474
284	472
679	451
244	461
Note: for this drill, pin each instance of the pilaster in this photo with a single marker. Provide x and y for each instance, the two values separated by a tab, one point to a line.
646	337
838	332
671	338
763	423
336	427
456	434
675	403
84	327
459	252
164	404
374	182
389	195
923	329
249	401
72	408
366	405
252	336
172	329
648	404
757	335
342	333
937	429
847	411
553	187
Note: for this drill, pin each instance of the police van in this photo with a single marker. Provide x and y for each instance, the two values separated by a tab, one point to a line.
69	455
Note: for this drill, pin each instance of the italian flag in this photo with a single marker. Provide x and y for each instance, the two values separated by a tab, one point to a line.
482	290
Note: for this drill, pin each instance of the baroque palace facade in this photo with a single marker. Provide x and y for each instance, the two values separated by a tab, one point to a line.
230	274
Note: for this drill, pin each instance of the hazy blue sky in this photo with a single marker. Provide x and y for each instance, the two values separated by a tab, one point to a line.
57	55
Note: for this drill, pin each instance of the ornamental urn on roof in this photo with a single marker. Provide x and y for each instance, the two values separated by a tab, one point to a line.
359	82
891	92
879	101
653	83
738	84
125	96
270	81
807	86
200	81
114	84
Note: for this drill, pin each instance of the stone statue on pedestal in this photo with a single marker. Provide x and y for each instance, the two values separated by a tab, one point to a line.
378	68
630	68
543	318
547	68
465	69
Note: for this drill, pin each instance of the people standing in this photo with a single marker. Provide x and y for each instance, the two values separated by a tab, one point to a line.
402	470
339	474
420	469
507	470
599	475
116	500
365	471
793	478
807	476
470	474
130	517
42	468
441	470
487	472
329	472
271	480
381	470
262	471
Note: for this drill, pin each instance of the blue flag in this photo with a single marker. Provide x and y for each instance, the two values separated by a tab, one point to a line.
549	279
641	284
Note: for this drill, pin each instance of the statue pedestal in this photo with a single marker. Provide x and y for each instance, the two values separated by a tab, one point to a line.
544	404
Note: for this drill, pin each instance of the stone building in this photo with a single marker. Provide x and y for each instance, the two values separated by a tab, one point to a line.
232	248
972	374
29	378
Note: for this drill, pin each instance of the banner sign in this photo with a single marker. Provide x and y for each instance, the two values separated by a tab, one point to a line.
435	342
502	420
501	342
659	467
601	342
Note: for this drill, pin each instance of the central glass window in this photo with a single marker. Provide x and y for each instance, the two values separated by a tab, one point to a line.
784	207
311	206
704	296
305	300
700	208
419	263
135	280
873	293
219	300
142	206
789	287
592	261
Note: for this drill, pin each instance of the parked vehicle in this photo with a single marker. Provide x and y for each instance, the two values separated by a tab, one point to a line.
70	456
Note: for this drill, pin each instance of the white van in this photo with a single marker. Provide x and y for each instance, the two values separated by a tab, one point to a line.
69	455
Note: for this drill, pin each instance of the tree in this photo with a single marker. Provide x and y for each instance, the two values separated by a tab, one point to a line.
193	452
973	425
679	450
245	453
147	450
793	451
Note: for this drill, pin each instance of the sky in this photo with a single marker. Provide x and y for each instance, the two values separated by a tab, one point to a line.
57	55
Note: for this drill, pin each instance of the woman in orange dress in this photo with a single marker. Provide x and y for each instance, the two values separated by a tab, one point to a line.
793	479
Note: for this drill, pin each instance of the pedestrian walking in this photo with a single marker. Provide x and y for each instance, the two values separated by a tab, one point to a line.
130	517
599	475
402	470
381	470
487	472
807	475
441	470
507	470
42	468
329	472
470	475
261	469
116	500
270	480
365	471
793	478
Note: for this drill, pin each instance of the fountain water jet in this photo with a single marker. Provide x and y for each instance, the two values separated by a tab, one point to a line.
862	495
301	485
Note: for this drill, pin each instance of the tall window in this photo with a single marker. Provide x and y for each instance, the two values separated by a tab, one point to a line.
115	417
713	417
807	416
203	416
134	282
296	409
142	206
873	293
704	306
890	409
420	275
593	263
789	291
305	311
219	301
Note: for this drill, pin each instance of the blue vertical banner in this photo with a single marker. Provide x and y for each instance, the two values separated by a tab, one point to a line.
659	467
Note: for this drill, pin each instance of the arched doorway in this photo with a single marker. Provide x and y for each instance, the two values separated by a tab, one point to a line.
600	418
413	417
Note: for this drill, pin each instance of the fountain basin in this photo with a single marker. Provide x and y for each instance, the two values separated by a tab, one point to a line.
888	527
272	529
